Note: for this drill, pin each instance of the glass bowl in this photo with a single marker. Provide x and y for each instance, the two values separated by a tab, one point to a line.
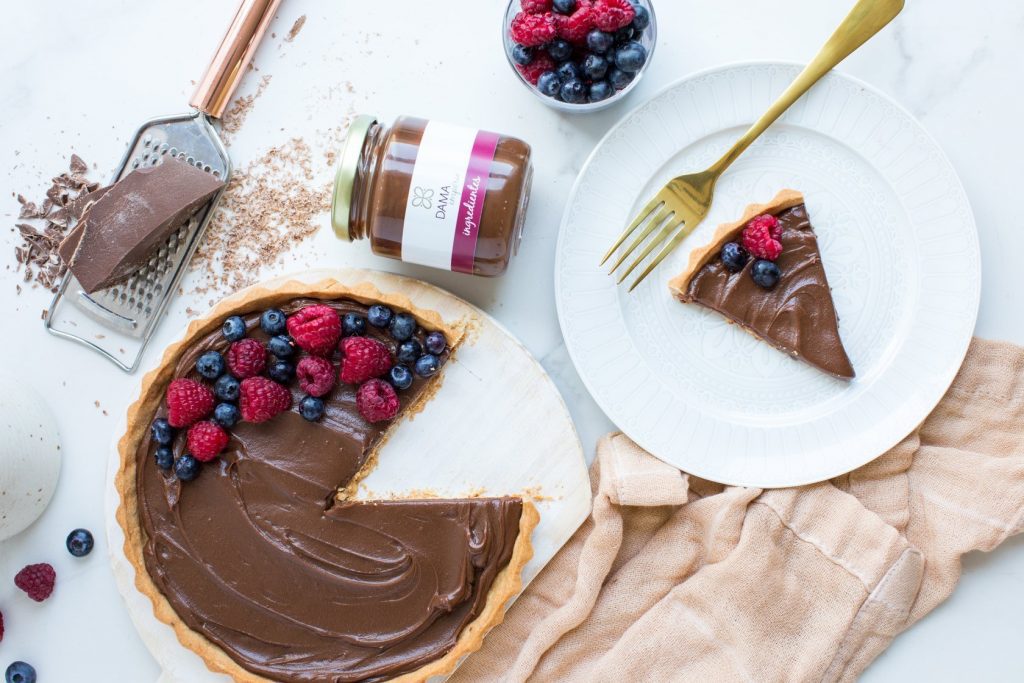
649	40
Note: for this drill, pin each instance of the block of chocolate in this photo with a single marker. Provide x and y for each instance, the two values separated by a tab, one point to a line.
120	231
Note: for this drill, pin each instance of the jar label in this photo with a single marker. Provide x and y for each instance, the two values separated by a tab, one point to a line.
446	196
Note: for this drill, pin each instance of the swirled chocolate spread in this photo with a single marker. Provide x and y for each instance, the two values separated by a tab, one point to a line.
261	557
797	315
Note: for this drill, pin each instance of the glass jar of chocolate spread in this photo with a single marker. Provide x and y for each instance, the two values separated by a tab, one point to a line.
433	193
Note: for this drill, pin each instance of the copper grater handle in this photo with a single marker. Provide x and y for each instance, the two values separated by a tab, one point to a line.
233	56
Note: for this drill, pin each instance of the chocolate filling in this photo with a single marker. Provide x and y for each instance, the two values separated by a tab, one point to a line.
259	556
797	315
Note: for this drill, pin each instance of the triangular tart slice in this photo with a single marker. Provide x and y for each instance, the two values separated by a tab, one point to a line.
796	315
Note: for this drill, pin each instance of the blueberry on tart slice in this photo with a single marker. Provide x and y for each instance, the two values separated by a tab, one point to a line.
764	272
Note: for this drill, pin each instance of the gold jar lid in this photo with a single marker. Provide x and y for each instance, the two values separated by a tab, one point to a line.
345	177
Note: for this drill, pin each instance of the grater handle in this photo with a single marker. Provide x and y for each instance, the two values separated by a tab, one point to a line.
233	56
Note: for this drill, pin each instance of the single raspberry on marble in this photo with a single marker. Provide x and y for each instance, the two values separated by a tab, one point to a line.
315	328
534	69
188	401
575	27
316	375
37	580
761	237
247	358
206	440
263	399
532	30
363	359
377	401
535	6
611	15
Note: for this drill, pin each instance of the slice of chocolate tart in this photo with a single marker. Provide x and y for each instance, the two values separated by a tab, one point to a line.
764	272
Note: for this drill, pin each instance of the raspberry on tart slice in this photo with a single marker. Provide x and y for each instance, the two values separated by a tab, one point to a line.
773	286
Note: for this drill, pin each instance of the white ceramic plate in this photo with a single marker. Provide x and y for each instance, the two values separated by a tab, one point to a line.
499	426
898	241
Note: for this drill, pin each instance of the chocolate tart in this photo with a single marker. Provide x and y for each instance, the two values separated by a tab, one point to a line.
797	316
268	568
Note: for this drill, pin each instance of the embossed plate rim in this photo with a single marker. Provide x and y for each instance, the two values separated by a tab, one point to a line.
806	459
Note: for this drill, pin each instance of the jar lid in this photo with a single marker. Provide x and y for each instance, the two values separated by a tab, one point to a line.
345	177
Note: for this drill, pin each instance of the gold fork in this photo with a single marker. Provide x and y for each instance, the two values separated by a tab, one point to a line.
680	206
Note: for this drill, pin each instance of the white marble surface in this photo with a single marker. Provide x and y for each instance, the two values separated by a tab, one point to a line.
80	77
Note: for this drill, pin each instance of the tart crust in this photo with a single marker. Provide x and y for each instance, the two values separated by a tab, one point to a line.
506	584
726	232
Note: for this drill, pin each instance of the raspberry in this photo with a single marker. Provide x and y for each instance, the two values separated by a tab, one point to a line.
611	15
534	69
316	375
364	359
377	401
246	358
263	399
532	29
576	26
315	328
188	401
1	627
761	237
37	580
206	440
536	6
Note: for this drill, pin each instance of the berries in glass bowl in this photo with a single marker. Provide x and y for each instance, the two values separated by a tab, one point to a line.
579	55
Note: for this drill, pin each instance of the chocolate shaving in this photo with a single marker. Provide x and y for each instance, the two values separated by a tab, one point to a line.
296	27
36	254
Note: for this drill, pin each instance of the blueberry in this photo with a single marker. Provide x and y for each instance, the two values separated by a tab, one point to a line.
186	467
624	35
234	328
734	257
765	273
599	42
631	57
595	67
435	343
311	408
273	321
619	78
210	365
379	316
162	431
400	377
402	327
600	90
574	91
549	84
281	371
559	50
353	325
226	415
226	388
409	351
20	672
522	55
642	19
79	542
568	71
282	346
164	457
427	365
564	6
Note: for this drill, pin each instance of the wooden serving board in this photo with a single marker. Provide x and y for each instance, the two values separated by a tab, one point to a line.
497	426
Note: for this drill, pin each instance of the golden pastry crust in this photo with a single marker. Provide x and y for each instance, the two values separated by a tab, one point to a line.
508	582
726	232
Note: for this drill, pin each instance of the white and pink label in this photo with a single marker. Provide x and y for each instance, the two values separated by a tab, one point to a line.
446	197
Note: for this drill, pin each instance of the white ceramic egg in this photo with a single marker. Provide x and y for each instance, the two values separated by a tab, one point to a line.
29	456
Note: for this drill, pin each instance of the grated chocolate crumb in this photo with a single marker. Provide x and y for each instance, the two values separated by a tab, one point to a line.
296	27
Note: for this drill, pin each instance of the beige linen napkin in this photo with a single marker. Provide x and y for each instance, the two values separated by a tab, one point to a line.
674	578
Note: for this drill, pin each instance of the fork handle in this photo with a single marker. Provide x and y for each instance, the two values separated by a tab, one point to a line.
867	18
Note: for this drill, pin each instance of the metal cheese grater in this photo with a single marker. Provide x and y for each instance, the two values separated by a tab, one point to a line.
118	322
